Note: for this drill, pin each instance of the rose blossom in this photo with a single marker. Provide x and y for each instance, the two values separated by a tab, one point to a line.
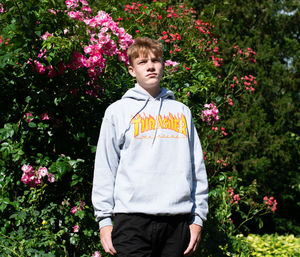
171	63
42	172
97	254
51	178
74	209
28	116
76	228
44	116
210	114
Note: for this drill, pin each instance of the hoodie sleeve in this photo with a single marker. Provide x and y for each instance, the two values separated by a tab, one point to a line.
200	183
106	165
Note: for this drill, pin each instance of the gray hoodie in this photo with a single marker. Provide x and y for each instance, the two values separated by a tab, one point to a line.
149	159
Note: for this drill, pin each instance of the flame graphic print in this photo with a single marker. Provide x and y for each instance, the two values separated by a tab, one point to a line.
170	126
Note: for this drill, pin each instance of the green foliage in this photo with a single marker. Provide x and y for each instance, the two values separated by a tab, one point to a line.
261	145
273	245
256	245
50	117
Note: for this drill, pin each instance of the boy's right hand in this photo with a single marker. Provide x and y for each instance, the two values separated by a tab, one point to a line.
106	241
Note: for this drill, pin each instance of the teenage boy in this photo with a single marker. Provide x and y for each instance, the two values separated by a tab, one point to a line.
149	175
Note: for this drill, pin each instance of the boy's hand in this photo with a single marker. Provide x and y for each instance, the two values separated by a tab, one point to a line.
105	237
195	231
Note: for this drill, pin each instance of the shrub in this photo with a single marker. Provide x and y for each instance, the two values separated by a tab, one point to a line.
273	245
62	65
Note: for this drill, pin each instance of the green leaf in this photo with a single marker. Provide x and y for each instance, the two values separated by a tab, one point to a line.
27	99
32	124
260	223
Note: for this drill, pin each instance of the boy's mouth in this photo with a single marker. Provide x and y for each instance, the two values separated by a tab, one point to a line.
152	75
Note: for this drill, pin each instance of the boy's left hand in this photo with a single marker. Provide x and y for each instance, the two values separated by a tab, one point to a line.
195	231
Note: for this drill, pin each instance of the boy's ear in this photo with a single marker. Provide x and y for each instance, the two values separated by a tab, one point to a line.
131	71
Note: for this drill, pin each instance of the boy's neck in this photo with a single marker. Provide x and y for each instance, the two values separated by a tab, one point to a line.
153	91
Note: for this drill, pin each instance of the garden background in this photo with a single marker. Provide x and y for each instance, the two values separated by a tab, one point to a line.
234	63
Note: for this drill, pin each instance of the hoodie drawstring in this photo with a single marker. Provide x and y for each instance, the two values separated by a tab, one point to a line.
157	119
128	127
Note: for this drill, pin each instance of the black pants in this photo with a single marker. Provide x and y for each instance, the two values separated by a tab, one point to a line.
141	235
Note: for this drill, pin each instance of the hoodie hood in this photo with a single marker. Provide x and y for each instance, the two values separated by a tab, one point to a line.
140	94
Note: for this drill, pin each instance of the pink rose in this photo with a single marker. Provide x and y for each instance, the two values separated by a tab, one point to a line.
44	116
76	228
97	254
42	171
28	116
74	209
51	178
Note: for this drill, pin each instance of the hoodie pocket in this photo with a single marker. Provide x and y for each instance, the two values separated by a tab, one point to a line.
165	188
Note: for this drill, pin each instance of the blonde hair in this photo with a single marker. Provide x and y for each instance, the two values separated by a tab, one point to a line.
143	46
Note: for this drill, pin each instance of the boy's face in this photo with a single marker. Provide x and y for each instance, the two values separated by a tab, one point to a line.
147	70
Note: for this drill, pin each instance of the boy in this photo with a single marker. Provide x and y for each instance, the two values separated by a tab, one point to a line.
149	172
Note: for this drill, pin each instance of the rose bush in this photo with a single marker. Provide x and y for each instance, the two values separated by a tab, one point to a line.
62	64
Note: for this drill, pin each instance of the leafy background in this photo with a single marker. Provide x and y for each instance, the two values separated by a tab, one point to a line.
251	151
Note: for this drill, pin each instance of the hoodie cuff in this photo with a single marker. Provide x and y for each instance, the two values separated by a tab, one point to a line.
196	220
105	222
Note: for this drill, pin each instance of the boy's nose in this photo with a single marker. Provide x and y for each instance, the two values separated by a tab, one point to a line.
150	65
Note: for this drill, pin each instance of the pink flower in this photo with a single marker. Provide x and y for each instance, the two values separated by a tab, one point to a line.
101	40
88	49
217	61
123	57
40	68
78	60
24	178
236	197
210	114
75	15
76	228
230	190
27	169
1	8
52	11
46	35
74	209
71	3
51	178
97	254
51	72
271	203
86	9
95	58
42	53
42	172
82	205
44	116
30	180
84	2
229	100
171	63
28	116
29	177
